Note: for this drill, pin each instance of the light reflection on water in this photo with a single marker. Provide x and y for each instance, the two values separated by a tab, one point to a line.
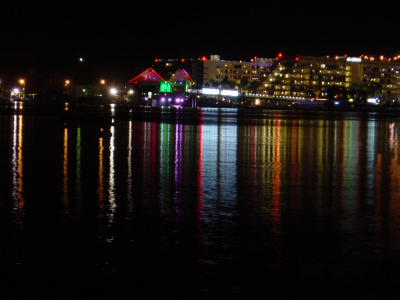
100	189
65	172
17	168
266	193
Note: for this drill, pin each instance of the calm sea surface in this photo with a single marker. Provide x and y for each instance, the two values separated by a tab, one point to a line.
212	203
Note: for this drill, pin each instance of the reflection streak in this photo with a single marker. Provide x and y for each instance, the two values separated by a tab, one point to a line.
178	166
100	190
111	179
78	166
129	179
17	167
276	178
65	171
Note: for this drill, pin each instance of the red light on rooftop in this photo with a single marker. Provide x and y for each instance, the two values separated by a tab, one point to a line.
203	58
297	58
182	60
279	56
156	60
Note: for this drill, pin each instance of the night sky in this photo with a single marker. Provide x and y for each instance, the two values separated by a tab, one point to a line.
116	37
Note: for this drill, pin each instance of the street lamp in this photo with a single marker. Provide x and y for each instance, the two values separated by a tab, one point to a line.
22	82
102	81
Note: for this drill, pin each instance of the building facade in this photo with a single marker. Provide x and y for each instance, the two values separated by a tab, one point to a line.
316	77
216	71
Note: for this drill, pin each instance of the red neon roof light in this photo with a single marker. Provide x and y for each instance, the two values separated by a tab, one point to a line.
148	75
181	75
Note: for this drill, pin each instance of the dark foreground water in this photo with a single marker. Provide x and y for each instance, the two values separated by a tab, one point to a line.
202	205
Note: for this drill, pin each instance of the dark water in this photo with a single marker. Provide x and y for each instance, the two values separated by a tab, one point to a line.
211	204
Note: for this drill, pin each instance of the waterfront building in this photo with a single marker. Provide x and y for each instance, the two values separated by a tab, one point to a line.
323	77
216	72
238	73
180	82
148	78
193	66
147	84
152	89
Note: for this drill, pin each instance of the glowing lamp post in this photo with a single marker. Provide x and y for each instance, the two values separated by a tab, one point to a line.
22	83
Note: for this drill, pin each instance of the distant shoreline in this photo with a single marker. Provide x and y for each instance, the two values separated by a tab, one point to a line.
121	109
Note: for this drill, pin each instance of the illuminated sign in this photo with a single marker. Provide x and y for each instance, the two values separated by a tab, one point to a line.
210	91
231	93
353	59
373	100
216	92
165	87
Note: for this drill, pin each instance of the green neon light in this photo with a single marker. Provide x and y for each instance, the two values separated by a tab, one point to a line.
165	87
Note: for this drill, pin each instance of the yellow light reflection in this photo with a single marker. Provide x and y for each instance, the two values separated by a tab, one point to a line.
276	183
65	171
100	190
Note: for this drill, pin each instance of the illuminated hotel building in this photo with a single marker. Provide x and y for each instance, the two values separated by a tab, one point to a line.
309	76
216	70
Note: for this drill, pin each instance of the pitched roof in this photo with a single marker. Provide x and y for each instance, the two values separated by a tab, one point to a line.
181	75
148	75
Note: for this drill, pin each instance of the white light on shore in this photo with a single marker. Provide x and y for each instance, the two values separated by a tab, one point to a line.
210	91
232	93
113	91
15	91
373	100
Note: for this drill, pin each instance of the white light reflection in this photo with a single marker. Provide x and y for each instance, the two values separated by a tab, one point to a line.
391	139
111	183
112	109
371	160
17	167
129	193
14	158
178	167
